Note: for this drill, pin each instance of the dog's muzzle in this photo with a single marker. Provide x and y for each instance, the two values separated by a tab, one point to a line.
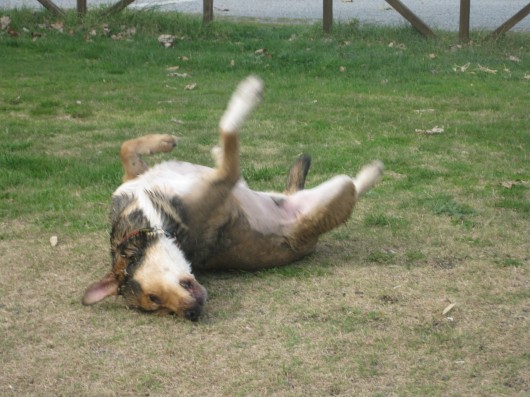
199	294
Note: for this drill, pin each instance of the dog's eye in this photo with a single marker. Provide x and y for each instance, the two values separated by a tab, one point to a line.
154	299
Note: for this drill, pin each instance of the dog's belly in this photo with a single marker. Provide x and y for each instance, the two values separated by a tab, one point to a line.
266	213
261	236
258	235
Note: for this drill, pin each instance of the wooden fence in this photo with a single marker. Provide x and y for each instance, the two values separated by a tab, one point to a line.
327	15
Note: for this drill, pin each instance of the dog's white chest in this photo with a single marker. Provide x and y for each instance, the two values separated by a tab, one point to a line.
171	177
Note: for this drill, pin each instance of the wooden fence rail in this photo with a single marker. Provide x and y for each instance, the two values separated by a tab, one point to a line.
327	15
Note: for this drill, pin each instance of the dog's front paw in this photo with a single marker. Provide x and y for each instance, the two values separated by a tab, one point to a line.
162	143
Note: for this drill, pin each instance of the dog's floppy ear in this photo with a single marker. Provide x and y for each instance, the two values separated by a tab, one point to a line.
107	286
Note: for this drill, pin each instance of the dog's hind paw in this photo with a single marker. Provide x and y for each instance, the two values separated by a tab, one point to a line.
246	97
368	176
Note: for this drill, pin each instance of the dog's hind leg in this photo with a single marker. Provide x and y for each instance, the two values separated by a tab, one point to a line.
131	152
328	205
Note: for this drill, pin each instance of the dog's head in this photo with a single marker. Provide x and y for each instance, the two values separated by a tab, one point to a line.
150	271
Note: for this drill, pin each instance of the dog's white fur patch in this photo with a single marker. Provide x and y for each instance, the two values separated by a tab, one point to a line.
246	97
165	261
172	177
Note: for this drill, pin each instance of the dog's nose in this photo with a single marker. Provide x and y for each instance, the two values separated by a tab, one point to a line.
196	290
192	314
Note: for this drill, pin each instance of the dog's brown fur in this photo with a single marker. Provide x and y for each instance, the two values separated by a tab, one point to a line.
177	217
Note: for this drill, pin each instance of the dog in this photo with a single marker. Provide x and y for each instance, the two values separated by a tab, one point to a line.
178	217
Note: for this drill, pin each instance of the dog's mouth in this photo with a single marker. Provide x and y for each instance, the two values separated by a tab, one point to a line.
193	314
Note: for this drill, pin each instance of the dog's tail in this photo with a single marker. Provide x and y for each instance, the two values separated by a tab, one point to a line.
297	174
246	97
367	177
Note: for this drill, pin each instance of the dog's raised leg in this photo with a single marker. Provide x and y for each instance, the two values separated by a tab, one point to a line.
211	192
246	97
131	152
326	206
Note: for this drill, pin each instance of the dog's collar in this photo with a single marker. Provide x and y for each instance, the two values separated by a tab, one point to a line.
148	232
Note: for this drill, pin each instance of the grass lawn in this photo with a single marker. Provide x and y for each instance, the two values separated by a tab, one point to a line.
425	292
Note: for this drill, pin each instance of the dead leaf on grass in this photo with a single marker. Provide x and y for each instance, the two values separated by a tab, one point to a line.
526	76
388	299
190	87
184	58
106	29
263	52
54	241
167	40
462	68
124	35
510	184
431	56
36	35
172	68
486	69
58	26
5	21
513	58
435	130
423	110
399	46
342	69
448	308
179	75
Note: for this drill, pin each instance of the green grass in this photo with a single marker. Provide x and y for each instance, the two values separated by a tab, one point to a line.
362	315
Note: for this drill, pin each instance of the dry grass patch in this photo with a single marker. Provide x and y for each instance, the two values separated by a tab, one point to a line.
333	324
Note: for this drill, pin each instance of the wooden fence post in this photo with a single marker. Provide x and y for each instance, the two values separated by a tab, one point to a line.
327	15
207	11
120	5
463	32
411	17
50	6
81	7
510	23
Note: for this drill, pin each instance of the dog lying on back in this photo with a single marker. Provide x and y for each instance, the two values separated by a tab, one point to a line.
177	217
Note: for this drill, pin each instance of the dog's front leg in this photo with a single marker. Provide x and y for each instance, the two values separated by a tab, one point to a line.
217	185
131	152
